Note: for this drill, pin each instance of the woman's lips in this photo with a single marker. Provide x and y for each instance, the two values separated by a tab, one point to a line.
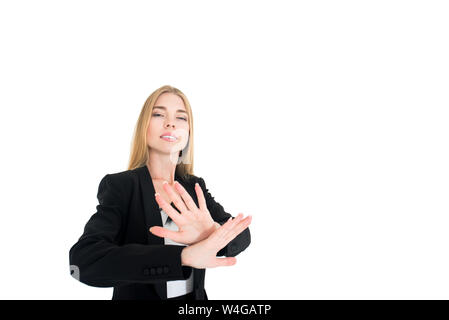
166	138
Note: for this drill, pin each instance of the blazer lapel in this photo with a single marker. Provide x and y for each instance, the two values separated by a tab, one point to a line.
150	207
149	204
152	213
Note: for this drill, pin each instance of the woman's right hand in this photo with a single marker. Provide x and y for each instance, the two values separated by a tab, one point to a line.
203	254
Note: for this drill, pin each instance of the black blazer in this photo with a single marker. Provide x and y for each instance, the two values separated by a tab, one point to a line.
118	250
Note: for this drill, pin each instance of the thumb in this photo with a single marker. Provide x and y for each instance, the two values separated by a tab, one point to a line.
224	262
165	233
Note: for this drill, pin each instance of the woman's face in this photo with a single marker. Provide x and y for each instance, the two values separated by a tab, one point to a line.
169	118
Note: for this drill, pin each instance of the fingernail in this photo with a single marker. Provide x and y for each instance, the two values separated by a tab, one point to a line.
196	184
164	182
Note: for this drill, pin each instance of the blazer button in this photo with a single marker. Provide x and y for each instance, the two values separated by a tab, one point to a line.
153	271
159	270
146	272
166	269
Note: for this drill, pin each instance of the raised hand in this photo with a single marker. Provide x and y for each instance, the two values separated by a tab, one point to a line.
194	224
204	253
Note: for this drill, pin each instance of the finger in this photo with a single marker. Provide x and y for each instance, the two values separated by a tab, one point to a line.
186	197
234	222
231	229
219	235
234	229
177	218
200	196
174	196
224	262
219	232
227	226
242	225
165	233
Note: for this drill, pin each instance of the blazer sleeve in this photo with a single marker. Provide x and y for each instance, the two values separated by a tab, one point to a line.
98	260
241	241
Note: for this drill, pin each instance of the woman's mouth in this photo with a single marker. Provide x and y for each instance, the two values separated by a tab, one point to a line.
169	138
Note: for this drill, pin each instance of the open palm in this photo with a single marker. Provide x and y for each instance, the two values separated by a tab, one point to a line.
194	224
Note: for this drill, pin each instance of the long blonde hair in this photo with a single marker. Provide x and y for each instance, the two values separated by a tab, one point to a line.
139	149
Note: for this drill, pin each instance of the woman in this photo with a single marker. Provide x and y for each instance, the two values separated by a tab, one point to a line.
157	228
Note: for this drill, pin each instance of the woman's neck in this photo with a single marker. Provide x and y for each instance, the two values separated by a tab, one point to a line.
161	168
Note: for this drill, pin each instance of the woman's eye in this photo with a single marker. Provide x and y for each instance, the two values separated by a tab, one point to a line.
158	114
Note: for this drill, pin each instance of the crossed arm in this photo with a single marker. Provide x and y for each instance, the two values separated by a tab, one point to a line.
101	261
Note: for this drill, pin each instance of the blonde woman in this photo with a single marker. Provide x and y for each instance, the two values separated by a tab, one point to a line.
157	228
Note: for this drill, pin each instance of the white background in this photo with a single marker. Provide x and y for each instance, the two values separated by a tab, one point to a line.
325	120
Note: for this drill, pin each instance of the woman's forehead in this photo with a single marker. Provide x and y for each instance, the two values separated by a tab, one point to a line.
170	101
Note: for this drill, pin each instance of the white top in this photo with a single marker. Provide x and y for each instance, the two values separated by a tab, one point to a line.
175	288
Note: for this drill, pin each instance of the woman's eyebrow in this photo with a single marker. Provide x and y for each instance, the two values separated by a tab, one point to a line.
164	108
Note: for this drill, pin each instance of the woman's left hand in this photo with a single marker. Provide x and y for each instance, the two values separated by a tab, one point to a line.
194	224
